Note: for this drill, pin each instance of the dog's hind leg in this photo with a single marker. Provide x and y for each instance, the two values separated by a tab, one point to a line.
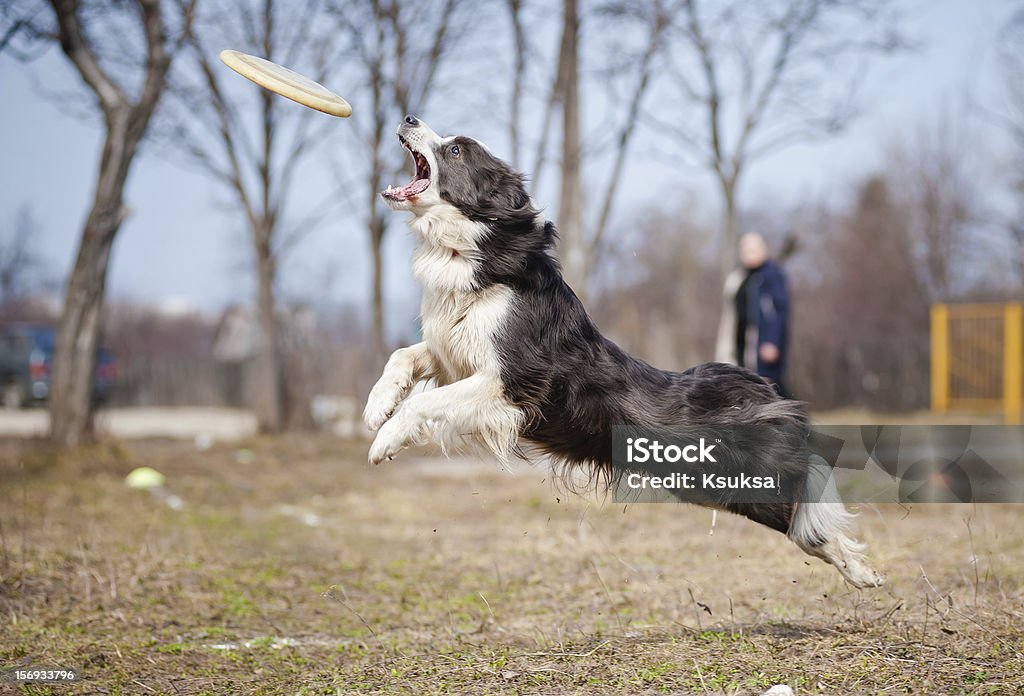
777	516
819	528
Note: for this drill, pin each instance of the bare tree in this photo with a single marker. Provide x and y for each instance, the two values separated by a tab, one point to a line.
399	50
857	342
764	76
1012	119
936	186
658	285
570	204
101	41
22	26
550	106
22	270
519	49
579	248
252	142
654	20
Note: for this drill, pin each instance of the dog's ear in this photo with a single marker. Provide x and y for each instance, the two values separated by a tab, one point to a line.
483	187
502	197
509	199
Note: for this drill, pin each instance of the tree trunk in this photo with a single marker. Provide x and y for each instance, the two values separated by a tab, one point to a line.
270	407
125	124
376	227
727	260
378	344
570	204
515	8
376	224
728	253
570	212
78	334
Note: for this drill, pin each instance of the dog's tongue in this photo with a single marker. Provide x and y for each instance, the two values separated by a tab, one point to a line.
417	187
411	189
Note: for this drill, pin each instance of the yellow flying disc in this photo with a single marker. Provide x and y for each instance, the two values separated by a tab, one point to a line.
287	83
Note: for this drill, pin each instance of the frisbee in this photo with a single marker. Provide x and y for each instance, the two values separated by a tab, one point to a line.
287	83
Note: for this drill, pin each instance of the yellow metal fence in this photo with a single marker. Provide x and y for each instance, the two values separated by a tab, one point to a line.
977	358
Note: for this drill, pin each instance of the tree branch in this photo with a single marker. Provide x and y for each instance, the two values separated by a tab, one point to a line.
158	60
793	26
436	53
554	96
227	126
76	47
12	31
515	9
659	24
707	61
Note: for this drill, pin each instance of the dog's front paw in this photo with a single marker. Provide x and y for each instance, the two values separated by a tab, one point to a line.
382	449
379	408
393	437
384	399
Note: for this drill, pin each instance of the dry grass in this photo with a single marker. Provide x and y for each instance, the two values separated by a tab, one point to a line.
295	568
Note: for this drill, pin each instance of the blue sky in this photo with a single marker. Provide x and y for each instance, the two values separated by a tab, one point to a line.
179	247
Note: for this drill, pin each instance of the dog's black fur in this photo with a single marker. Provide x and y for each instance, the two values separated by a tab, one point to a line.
497	310
574	384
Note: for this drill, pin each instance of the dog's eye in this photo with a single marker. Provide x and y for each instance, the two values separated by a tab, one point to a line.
454	150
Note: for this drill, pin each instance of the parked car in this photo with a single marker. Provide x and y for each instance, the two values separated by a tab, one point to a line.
26	361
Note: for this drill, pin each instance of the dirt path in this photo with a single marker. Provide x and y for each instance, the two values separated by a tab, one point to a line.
293	567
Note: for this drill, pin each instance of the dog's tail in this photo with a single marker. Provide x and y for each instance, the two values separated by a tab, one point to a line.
820	525
820	514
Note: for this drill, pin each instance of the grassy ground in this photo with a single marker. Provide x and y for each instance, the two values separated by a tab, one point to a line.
295	568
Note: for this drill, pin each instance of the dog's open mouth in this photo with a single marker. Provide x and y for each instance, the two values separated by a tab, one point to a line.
420	180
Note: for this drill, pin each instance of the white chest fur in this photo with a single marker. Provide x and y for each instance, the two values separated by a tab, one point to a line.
446	249
459	322
460	329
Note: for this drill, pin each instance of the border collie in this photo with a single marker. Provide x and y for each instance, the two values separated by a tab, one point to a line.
518	362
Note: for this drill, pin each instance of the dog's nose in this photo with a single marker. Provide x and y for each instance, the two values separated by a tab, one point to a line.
412	120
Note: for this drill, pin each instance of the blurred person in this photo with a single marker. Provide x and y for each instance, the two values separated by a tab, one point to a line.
761	303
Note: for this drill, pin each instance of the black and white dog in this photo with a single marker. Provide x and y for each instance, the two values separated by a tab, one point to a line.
518	362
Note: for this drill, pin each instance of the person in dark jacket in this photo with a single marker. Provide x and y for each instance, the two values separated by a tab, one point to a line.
762	313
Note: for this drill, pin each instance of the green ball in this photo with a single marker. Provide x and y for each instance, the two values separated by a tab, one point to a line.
144	477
